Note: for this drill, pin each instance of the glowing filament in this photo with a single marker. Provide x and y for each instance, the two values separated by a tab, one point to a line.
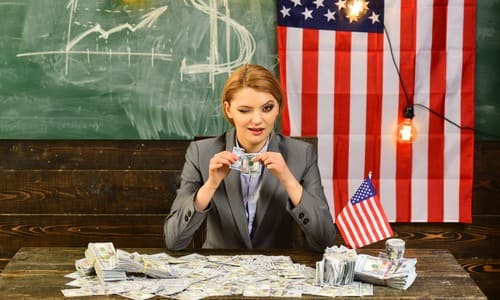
406	132
356	9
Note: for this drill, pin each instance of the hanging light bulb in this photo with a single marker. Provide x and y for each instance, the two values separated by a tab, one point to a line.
356	9
406	131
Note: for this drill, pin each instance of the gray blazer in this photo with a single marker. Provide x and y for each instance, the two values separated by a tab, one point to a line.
275	215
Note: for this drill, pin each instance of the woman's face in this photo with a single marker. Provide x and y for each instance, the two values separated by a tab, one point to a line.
254	114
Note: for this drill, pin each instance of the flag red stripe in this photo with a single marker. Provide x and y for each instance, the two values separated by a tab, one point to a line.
310	52
407	71
360	225
373	227
342	91
467	112
285	117
382	217
366	222
374	220
347	231
357	231
436	101
374	90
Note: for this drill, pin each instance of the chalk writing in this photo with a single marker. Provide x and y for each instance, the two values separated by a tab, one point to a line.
147	21
245	39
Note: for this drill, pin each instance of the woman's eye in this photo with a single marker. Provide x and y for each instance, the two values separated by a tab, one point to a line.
243	111
268	108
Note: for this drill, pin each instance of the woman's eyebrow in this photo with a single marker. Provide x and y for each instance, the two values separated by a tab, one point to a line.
270	101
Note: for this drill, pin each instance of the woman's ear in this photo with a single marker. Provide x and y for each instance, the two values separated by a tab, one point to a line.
226	109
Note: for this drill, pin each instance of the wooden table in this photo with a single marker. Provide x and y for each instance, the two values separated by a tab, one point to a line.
38	273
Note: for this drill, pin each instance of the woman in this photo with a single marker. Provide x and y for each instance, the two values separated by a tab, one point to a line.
250	210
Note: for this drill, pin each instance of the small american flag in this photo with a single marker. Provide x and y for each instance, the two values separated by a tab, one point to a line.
363	221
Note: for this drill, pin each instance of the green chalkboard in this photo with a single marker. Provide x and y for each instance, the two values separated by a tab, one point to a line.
488	70
125	69
153	69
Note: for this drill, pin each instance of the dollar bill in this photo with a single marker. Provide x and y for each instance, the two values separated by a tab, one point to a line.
245	163
240	153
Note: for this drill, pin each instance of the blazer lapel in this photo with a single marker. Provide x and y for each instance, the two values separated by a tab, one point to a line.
269	184
233	188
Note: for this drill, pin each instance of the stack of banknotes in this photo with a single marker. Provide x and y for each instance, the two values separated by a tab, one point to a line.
84	267
155	265
337	267
105	261
113	265
399	274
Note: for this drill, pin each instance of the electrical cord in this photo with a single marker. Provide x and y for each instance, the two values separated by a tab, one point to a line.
408	102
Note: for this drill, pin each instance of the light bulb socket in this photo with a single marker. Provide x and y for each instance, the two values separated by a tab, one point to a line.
408	112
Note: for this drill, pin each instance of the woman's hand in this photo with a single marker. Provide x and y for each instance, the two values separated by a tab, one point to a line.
276	164
218	169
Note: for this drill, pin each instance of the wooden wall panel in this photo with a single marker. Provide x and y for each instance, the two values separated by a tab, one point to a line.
93	155
463	240
78	230
70	193
486	193
87	191
485	272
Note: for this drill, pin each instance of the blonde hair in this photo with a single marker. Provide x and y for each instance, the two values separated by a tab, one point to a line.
255	77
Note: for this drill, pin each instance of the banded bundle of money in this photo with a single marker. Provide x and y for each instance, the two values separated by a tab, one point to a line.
84	267
338	264
399	274
156	266
104	259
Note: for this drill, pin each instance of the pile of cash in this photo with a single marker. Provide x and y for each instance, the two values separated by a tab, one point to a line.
399	274
356	288
114	265
105	261
245	163
155	266
84	267
202	276
337	267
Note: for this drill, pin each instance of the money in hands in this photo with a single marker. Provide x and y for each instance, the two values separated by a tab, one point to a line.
245	163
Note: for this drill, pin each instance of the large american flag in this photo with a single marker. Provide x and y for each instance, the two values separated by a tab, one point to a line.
342	86
363	221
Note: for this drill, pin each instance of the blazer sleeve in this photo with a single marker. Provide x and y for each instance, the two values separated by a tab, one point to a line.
183	220
313	213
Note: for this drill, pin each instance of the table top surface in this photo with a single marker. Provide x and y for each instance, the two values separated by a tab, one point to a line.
38	272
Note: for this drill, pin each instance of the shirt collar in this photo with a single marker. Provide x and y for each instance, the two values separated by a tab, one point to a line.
262	150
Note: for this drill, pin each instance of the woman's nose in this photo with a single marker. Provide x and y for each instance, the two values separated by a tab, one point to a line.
256	118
